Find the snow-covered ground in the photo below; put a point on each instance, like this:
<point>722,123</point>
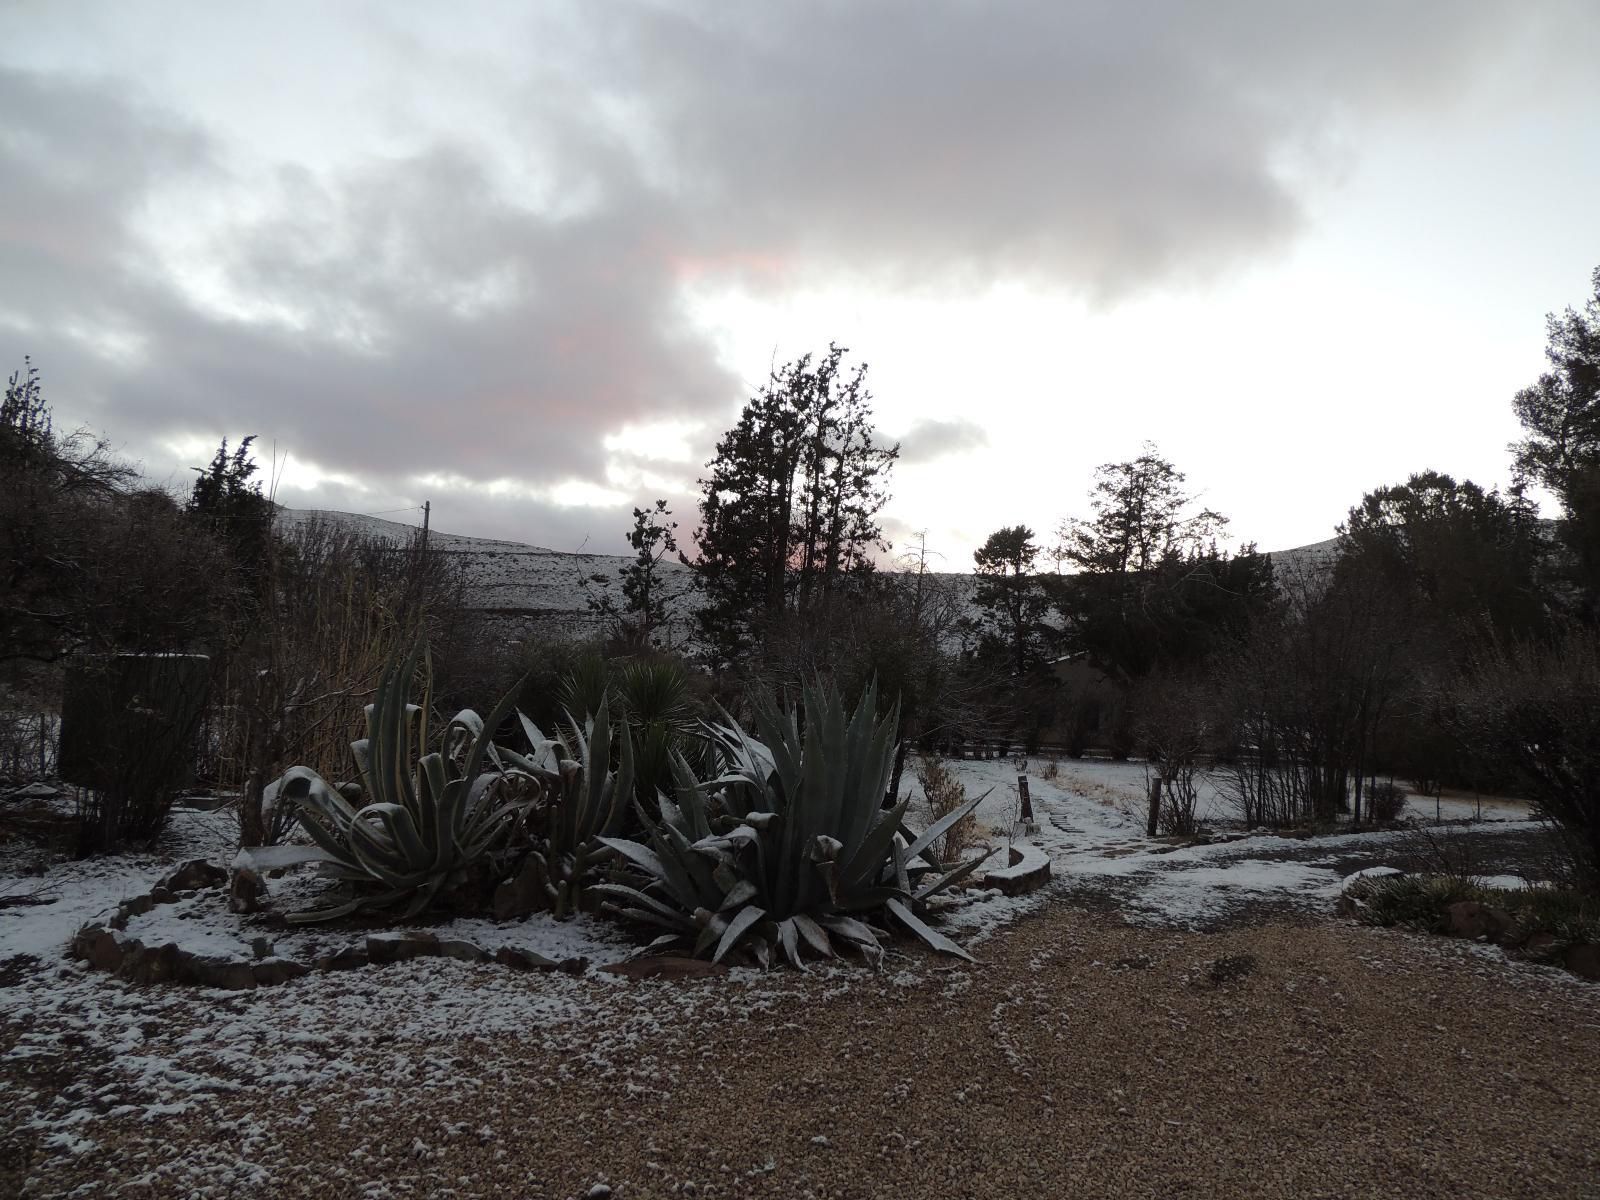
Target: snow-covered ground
<point>130,1053</point>
<point>1090,818</point>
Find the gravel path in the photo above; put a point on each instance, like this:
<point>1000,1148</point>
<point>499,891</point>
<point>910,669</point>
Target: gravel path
<point>1084,1057</point>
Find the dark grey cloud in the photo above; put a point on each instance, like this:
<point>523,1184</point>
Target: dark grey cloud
<point>929,440</point>
<point>424,312</point>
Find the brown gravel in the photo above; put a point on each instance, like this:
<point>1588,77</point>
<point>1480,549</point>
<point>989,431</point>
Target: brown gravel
<point>1083,1058</point>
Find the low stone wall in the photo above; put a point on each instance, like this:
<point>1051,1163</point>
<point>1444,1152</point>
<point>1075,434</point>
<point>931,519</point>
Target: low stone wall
<point>1028,871</point>
<point>107,946</point>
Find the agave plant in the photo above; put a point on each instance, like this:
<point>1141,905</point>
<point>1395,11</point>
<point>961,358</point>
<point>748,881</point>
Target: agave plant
<point>426,822</point>
<point>790,848</point>
<point>584,802</point>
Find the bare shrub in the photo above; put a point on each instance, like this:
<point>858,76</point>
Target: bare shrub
<point>1175,728</point>
<point>1385,802</point>
<point>945,793</point>
<point>1535,706</point>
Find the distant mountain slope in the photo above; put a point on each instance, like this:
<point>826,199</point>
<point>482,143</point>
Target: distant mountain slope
<point>530,587</point>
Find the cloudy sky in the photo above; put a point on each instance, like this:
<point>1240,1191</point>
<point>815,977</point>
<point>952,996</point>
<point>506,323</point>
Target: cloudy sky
<point>527,260</point>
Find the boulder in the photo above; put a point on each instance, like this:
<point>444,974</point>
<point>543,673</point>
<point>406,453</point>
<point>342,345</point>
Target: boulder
<point>666,966</point>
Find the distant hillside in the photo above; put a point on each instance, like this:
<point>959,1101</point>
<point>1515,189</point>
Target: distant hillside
<point>526,588</point>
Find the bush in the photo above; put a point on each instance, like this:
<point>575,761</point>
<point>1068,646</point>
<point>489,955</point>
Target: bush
<point>1422,902</point>
<point>1538,707</point>
<point>1385,802</point>
<point>945,794</point>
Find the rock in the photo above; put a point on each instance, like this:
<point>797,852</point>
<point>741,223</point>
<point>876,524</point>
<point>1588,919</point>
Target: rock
<point>522,895</point>
<point>462,950</point>
<point>398,947</point>
<point>137,906</point>
<point>1583,960</point>
<point>245,890</point>
<point>35,791</point>
<point>193,875</point>
<point>1469,919</point>
<point>527,960</point>
<point>100,946</point>
<point>1539,944</point>
<point>207,971</point>
<point>348,959</point>
<point>143,964</point>
<point>262,947</point>
<point>278,970</point>
<point>666,966</point>
<point>600,1191</point>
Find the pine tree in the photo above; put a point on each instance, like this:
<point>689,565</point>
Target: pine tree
<point>1011,594</point>
<point>789,510</point>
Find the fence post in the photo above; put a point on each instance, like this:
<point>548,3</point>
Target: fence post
<point>1155,807</point>
<point>1029,825</point>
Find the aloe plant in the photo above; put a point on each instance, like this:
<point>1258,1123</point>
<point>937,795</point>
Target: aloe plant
<point>789,850</point>
<point>427,821</point>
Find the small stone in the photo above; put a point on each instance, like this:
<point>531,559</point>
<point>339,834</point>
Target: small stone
<point>349,959</point>
<point>193,875</point>
<point>399,947</point>
<point>102,947</point>
<point>245,891</point>
<point>463,951</point>
<point>527,960</point>
<point>207,971</point>
<point>278,970</point>
<point>600,1191</point>
<point>666,966</point>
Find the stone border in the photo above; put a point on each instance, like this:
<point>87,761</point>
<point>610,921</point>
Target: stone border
<point>106,946</point>
<point>1029,870</point>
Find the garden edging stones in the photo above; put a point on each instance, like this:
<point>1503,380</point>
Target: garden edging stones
<point>1028,871</point>
<point>106,945</point>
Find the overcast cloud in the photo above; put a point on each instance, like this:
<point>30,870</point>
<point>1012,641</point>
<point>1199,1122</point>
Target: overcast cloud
<point>463,286</point>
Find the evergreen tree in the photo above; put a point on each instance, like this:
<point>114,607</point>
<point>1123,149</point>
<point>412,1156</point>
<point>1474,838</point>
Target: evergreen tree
<point>1152,590</point>
<point>1561,415</point>
<point>789,510</point>
<point>227,498</point>
<point>1011,595</point>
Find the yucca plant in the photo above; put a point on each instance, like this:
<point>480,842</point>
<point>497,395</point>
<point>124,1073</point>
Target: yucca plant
<point>426,821</point>
<point>790,848</point>
<point>652,697</point>
<point>584,802</point>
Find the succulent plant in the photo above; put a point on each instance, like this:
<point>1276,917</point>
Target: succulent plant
<point>426,821</point>
<point>584,802</point>
<point>789,849</point>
